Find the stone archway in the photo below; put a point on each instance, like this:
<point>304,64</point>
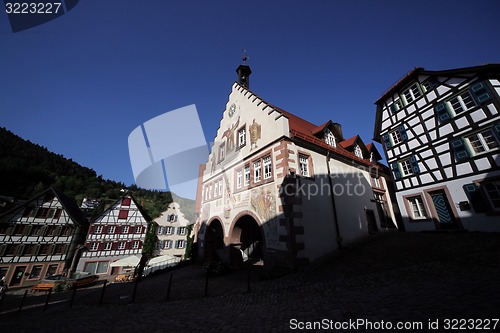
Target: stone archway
<point>214,241</point>
<point>247,241</point>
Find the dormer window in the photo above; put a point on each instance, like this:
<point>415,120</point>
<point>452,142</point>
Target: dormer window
<point>330,138</point>
<point>372,158</point>
<point>358,152</point>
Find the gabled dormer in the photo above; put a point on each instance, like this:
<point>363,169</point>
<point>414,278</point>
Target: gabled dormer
<point>356,146</point>
<point>329,132</point>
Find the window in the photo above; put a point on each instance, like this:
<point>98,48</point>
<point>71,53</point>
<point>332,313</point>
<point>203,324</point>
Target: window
<point>330,138</point>
<point>375,182</point>
<point>111,229</point>
<point>94,246</point>
<point>58,248</point>
<point>492,190</point>
<point>51,270</point>
<point>206,193</point>
<point>461,102</point>
<point>181,231</point>
<point>180,244</point>
<point>168,244</point>
<point>57,213</point>
<point>135,244</point>
<point>358,152</point>
<point>138,229</point>
<point>482,142</point>
<point>169,230</point>
<point>246,175</point>
<point>396,137</point>
<point>417,207</point>
<point>125,229</point>
<point>210,188</point>
<point>396,106</point>
<point>242,137</point>
<point>215,190</point>
<point>412,93</point>
<point>107,246</point>
<point>36,272</point>
<point>172,218</point>
<point>304,165</point>
<point>102,267</point>
<point>160,244</point>
<point>239,178</point>
<point>98,229</point>
<point>123,214</point>
<point>220,187</point>
<point>96,267</point>
<point>222,152</point>
<point>268,168</point>
<point>121,245</point>
<point>256,171</point>
<point>406,167</point>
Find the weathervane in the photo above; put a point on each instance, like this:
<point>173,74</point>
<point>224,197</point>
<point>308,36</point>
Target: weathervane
<point>245,57</point>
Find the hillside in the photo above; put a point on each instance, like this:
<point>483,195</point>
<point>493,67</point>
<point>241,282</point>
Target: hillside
<point>27,169</point>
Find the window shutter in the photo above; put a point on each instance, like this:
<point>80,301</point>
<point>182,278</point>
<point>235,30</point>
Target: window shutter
<point>2,249</point>
<point>387,141</point>
<point>441,110</point>
<point>27,230</point>
<point>395,169</point>
<point>475,197</point>
<point>414,164</point>
<point>402,132</point>
<point>393,107</point>
<point>19,250</point>
<point>496,130</point>
<point>481,93</point>
<point>459,148</point>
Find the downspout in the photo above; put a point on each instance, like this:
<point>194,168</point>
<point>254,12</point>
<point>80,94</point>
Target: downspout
<point>334,208</point>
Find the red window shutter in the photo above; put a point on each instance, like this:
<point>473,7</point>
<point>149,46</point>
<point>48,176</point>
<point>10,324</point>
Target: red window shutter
<point>126,201</point>
<point>123,214</point>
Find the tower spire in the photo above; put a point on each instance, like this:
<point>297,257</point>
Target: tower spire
<point>244,71</point>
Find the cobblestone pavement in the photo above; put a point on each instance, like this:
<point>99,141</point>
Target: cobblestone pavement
<point>412,278</point>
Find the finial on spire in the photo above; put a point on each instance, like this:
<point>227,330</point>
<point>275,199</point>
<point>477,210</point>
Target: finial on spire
<point>245,57</point>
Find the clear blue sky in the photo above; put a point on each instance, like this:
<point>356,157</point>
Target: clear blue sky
<point>81,83</point>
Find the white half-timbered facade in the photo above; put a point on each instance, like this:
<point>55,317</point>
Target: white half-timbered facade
<point>40,237</point>
<point>172,232</point>
<point>441,136</point>
<point>282,190</point>
<point>116,233</point>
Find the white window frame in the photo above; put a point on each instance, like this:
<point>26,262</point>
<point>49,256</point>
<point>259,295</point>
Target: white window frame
<point>94,246</point>
<point>483,143</point>
<point>358,152</point>
<point>111,229</point>
<point>215,190</point>
<point>135,245</point>
<point>222,152</point>
<point>396,137</point>
<point>122,245</point>
<point>181,231</point>
<point>409,94</point>
<point>138,229</point>
<point>242,137</point>
<point>405,167</point>
<point>462,102</point>
<point>239,178</point>
<point>304,165</point>
<point>257,172</point>
<point>417,207</point>
<point>180,244</point>
<point>125,229</point>
<point>268,167</point>
<point>169,231</point>
<point>376,181</point>
<point>246,175</point>
<point>98,229</point>
<point>330,138</point>
<point>220,186</point>
<point>107,246</point>
<point>210,189</point>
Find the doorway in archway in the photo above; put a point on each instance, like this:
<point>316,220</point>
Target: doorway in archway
<point>246,240</point>
<point>214,241</point>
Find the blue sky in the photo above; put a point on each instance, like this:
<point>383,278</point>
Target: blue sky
<point>81,83</point>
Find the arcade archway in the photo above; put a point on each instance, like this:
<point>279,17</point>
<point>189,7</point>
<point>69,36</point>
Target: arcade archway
<point>214,241</point>
<point>246,240</point>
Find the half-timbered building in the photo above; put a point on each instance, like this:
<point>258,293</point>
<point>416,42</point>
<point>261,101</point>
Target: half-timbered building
<point>282,190</point>
<point>441,136</point>
<point>40,238</point>
<point>116,233</point>
<point>172,232</point>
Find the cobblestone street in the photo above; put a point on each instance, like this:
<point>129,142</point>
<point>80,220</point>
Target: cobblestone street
<point>391,277</point>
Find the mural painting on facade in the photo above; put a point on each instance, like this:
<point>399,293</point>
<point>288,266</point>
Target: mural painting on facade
<point>229,135</point>
<point>263,202</point>
<point>228,198</point>
<point>254,130</point>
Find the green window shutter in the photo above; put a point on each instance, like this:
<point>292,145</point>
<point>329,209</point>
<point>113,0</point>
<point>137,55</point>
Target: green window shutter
<point>402,132</point>
<point>387,141</point>
<point>460,149</point>
<point>414,164</point>
<point>395,169</point>
<point>496,130</point>
<point>480,93</point>
<point>441,110</point>
<point>475,197</point>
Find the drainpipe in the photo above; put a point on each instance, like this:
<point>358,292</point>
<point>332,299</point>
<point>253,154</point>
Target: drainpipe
<point>334,208</point>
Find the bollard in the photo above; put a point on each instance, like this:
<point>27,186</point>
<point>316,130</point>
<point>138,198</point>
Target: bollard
<point>135,290</point>
<point>206,285</point>
<point>47,299</point>
<point>73,294</point>
<point>102,292</point>
<point>22,301</point>
<point>169,286</point>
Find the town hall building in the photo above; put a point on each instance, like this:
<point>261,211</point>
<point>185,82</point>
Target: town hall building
<point>281,190</point>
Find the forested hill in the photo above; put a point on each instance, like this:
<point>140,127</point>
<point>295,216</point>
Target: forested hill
<point>26,169</point>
